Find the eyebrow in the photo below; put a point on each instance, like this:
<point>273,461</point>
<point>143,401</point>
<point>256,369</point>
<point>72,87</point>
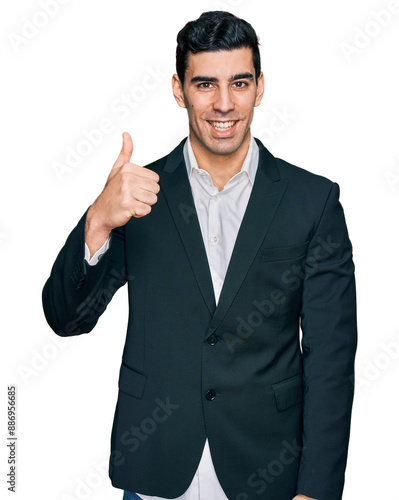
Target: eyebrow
<point>239,76</point>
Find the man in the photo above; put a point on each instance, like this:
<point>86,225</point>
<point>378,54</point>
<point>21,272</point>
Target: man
<point>226,251</point>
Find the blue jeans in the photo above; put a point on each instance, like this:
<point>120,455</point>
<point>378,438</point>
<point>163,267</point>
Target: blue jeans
<point>129,495</point>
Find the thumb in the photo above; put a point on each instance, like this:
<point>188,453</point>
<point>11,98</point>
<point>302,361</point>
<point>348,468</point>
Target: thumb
<point>126,151</point>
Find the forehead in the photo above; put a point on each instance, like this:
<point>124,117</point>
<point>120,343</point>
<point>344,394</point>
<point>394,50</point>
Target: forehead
<point>220,63</point>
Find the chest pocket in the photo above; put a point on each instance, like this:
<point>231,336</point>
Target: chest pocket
<point>283,253</point>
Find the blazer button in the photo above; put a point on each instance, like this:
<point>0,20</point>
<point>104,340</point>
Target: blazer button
<point>79,284</point>
<point>79,281</point>
<point>210,395</point>
<point>212,340</point>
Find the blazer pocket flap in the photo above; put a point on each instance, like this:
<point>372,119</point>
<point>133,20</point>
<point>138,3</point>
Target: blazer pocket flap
<point>284,253</point>
<point>288,392</point>
<point>131,381</point>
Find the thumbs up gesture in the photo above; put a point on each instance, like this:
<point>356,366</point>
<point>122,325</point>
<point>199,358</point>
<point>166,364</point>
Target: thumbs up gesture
<point>130,191</point>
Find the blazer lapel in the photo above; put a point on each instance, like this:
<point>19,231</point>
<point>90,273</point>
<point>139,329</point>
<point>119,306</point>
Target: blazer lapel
<point>265,198</point>
<point>176,188</point>
<point>266,194</point>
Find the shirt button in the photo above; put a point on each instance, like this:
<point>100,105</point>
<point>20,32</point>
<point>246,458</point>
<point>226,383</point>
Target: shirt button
<point>210,395</point>
<point>215,198</point>
<point>215,239</point>
<point>212,340</point>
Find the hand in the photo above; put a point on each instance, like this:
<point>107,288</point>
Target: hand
<point>302,497</point>
<point>130,191</point>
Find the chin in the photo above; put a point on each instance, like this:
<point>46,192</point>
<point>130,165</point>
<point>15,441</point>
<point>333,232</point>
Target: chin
<point>225,146</point>
<point>226,151</point>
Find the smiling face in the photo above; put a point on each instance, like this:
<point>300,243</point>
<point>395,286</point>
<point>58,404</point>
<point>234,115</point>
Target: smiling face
<point>220,93</point>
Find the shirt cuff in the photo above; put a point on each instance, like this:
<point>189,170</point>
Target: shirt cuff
<point>96,257</point>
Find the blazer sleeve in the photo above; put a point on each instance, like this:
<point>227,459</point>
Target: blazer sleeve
<point>76,294</point>
<point>329,341</point>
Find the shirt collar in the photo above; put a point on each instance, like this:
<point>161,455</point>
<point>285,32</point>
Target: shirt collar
<point>250,164</point>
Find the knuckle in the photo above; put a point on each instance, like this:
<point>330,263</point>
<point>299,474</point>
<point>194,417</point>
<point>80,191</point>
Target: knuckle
<point>152,175</point>
<point>146,209</point>
<point>124,204</point>
<point>142,210</point>
<point>125,188</point>
<point>125,176</point>
<point>136,169</point>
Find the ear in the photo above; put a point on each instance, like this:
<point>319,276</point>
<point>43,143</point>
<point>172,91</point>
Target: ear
<point>177,88</point>
<point>260,88</point>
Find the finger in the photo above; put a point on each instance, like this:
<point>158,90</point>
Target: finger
<point>141,209</point>
<point>147,173</point>
<point>126,151</point>
<point>143,196</point>
<point>143,184</point>
<point>143,172</point>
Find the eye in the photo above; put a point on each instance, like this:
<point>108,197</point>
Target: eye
<point>205,85</point>
<point>240,84</point>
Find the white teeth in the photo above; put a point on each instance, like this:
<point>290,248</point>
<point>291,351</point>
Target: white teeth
<point>222,125</point>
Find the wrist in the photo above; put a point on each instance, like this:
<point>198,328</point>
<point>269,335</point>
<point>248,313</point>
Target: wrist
<point>96,231</point>
<point>95,224</point>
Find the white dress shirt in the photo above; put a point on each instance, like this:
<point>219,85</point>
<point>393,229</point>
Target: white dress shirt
<point>220,215</point>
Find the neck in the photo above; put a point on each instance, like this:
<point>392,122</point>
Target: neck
<point>220,167</point>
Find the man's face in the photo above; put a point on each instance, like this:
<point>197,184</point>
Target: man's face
<point>220,94</point>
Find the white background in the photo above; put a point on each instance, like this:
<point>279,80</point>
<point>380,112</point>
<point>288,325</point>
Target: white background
<point>343,111</point>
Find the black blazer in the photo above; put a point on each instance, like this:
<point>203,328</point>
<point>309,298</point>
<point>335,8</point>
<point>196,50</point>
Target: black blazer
<point>276,412</point>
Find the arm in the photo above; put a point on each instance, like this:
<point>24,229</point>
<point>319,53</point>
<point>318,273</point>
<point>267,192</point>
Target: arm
<point>328,322</point>
<point>76,293</point>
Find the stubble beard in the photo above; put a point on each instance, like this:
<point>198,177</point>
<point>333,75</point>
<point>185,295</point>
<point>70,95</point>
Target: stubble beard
<point>223,146</point>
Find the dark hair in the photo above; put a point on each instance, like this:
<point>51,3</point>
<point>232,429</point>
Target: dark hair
<point>215,30</point>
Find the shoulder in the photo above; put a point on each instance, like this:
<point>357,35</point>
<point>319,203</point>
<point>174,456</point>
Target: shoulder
<point>309,192</point>
<point>301,176</point>
<point>298,177</point>
<point>306,188</point>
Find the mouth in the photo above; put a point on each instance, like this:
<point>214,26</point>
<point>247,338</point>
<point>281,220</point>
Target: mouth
<point>222,126</point>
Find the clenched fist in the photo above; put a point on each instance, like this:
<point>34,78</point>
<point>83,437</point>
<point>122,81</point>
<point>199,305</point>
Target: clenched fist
<point>130,191</point>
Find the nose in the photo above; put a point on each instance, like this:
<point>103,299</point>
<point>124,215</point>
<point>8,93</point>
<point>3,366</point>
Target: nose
<point>223,101</point>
